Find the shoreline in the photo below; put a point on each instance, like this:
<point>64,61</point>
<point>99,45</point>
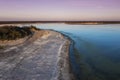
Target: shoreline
<point>66,72</point>
<point>63,63</point>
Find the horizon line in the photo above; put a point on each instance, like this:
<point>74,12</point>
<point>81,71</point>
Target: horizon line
<point>69,22</point>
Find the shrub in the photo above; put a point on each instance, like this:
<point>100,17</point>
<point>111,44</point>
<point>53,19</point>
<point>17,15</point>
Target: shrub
<point>14,32</point>
<point>1,47</point>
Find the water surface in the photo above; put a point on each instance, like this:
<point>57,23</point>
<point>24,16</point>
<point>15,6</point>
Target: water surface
<point>96,50</point>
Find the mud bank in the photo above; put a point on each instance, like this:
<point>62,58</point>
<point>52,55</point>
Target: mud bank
<point>43,56</point>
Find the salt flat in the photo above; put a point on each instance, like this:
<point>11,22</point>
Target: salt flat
<point>41,57</point>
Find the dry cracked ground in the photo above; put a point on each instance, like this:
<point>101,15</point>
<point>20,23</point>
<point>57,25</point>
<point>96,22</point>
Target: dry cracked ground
<point>38,58</point>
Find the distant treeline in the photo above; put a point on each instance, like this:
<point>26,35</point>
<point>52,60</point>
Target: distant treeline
<point>15,32</point>
<point>69,22</point>
<point>92,22</point>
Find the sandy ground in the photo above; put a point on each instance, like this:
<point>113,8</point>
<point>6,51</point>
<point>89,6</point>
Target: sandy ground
<point>41,57</point>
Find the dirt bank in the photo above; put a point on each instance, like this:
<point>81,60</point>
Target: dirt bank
<point>43,56</point>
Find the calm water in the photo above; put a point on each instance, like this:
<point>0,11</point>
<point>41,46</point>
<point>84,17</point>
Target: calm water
<point>96,51</point>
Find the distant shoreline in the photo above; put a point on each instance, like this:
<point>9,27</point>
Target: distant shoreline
<point>66,22</point>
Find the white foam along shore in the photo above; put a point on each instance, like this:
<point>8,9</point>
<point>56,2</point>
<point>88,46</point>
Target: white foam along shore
<point>42,56</point>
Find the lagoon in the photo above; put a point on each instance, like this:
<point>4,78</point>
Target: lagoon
<point>95,53</point>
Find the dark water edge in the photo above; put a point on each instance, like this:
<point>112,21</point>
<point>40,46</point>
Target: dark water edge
<point>73,64</point>
<point>81,69</point>
<point>73,54</point>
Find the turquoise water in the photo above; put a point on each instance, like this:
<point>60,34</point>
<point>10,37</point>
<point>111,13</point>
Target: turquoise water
<point>96,51</point>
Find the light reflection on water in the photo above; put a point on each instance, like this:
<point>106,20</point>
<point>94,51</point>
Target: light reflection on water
<point>96,49</point>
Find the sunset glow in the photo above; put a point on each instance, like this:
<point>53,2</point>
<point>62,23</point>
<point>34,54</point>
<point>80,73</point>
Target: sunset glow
<point>75,10</point>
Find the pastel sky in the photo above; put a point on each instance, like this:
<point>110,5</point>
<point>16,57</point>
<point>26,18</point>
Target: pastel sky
<point>75,10</point>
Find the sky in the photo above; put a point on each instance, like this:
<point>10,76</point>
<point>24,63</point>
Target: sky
<point>60,10</point>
